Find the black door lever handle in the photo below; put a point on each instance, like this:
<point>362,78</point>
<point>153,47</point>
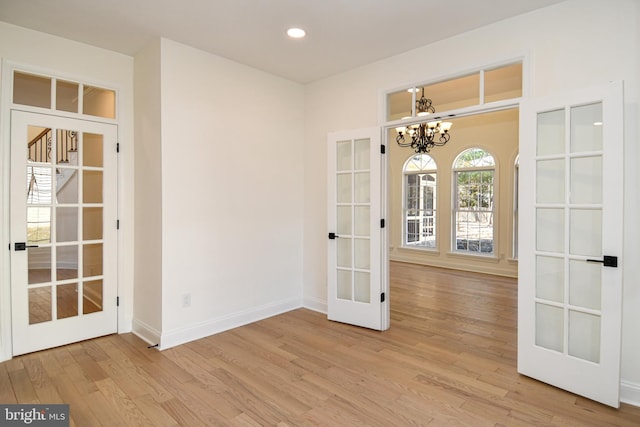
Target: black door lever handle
<point>607,261</point>
<point>21,246</point>
<point>332,236</point>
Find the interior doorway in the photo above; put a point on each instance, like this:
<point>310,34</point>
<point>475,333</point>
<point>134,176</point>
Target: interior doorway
<point>63,230</point>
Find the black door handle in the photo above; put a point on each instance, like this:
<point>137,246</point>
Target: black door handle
<point>607,261</point>
<point>21,246</point>
<point>332,236</point>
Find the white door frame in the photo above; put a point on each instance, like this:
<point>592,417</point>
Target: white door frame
<point>7,69</point>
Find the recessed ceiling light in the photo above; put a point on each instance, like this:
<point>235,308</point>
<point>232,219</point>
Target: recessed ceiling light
<point>296,33</point>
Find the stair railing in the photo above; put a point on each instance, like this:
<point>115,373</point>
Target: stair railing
<point>39,148</point>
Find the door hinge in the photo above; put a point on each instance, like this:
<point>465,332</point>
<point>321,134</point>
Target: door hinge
<point>117,224</point>
<point>117,147</point>
<point>382,297</point>
<point>382,223</point>
<point>117,301</point>
<point>383,149</point>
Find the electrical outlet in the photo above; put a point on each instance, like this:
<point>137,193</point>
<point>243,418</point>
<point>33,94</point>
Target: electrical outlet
<point>186,300</point>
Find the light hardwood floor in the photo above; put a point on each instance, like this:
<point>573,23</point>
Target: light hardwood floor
<point>448,359</point>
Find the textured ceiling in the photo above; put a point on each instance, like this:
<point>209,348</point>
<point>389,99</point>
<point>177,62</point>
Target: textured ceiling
<point>341,34</point>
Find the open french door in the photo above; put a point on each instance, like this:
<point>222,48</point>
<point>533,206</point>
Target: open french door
<point>570,270</point>
<point>63,230</point>
<point>357,274</point>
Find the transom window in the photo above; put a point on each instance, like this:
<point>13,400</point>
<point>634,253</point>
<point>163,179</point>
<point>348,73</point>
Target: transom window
<point>419,209</point>
<point>61,95</point>
<point>473,209</point>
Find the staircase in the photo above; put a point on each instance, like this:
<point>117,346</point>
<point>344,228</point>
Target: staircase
<point>39,151</point>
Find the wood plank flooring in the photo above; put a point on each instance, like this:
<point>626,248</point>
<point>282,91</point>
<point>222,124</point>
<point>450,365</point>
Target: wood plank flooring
<point>448,359</point>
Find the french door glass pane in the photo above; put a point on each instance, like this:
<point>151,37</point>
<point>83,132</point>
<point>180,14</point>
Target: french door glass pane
<point>551,129</point>
<point>92,150</point>
<point>586,180</point>
<point>362,287</point>
<point>586,232</point>
<point>362,184</point>
<point>66,224</point>
<point>362,156</point>
<point>39,261</point>
<point>550,181</point>
<point>67,300</point>
<point>549,327</point>
<point>344,190</point>
<point>66,262</point>
<point>585,280</point>
<point>362,221</point>
<point>344,252</point>
<point>92,223</point>
<point>344,225</point>
<point>38,225</point>
<point>40,305</point>
<point>343,156</point>
<point>586,128</point>
<point>92,186</point>
<point>92,260</point>
<point>584,336</point>
<point>550,230</point>
<point>92,296</point>
<point>550,278</point>
<point>39,182</point>
<point>344,284</point>
<point>361,254</point>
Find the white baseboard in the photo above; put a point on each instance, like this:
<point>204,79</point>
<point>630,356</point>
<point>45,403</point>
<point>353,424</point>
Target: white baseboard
<point>315,305</point>
<point>146,332</point>
<point>214,326</point>
<point>630,393</point>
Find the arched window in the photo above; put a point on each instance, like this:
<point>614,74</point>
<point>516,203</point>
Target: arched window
<point>419,210</point>
<point>473,209</point>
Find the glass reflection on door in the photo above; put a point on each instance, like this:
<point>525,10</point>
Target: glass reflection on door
<point>64,223</point>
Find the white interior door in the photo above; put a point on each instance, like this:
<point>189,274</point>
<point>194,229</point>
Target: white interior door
<point>357,284</point>
<point>570,270</point>
<point>63,230</point>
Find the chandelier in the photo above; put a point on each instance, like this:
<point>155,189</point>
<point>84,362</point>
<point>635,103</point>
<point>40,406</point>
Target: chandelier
<point>424,136</point>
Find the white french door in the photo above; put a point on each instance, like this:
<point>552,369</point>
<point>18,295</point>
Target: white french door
<point>357,277</point>
<point>570,270</point>
<point>63,230</point>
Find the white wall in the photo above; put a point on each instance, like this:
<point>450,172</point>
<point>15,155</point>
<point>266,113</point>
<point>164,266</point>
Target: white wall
<point>232,194</point>
<point>571,45</point>
<point>84,63</point>
<point>147,322</point>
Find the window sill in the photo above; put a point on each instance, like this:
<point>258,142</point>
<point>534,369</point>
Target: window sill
<point>488,258</point>
<point>411,249</point>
